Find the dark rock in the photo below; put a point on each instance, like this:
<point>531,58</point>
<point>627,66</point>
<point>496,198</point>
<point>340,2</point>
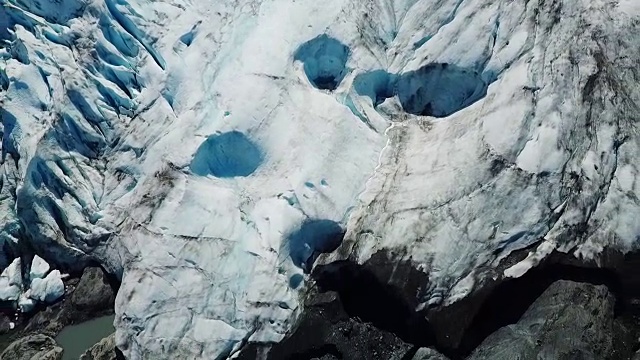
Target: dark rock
<point>325,331</point>
<point>5,324</point>
<point>383,292</point>
<point>386,306</point>
<point>48,320</point>
<point>569,320</point>
<point>428,354</point>
<point>463,325</point>
<point>32,347</point>
<point>93,291</point>
<point>104,350</point>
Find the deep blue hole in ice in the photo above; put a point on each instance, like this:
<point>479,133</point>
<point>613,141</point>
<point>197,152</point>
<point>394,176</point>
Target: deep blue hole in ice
<point>295,281</point>
<point>324,60</point>
<point>378,85</point>
<point>313,238</point>
<point>437,90</point>
<point>227,155</point>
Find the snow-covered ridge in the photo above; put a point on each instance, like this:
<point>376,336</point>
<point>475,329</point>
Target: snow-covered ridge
<point>197,149</point>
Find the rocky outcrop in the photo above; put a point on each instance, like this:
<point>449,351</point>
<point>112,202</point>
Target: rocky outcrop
<point>568,321</point>
<point>6,325</point>
<point>326,331</point>
<point>104,350</point>
<point>32,347</point>
<point>93,292</point>
<point>428,354</point>
<point>555,311</point>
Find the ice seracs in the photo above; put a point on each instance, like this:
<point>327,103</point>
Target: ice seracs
<point>39,268</point>
<point>48,289</point>
<point>39,288</point>
<point>11,281</point>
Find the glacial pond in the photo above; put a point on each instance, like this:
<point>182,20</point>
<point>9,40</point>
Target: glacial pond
<point>76,339</point>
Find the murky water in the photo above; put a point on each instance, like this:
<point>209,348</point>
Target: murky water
<point>76,339</point>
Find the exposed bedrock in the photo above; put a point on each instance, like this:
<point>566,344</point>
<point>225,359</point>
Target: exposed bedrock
<point>104,350</point>
<point>562,309</point>
<point>33,347</point>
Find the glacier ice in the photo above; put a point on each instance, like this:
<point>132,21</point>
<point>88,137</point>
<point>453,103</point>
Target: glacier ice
<point>313,237</point>
<point>224,155</point>
<point>114,114</point>
<point>37,287</point>
<point>11,281</point>
<point>48,289</point>
<point>26,304</point>
<point>39,268</point>
<point>324,60</point>
<point>12,274</point>
<point>436,90</point>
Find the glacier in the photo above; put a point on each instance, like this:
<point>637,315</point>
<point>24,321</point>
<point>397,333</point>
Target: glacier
<point>211,154</point>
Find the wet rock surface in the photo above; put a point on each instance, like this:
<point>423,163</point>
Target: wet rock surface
<point>33,347</point>
<point>104,350</point>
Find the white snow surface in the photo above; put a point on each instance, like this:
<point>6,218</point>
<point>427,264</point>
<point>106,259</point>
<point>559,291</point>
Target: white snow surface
<point>105,103</point>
